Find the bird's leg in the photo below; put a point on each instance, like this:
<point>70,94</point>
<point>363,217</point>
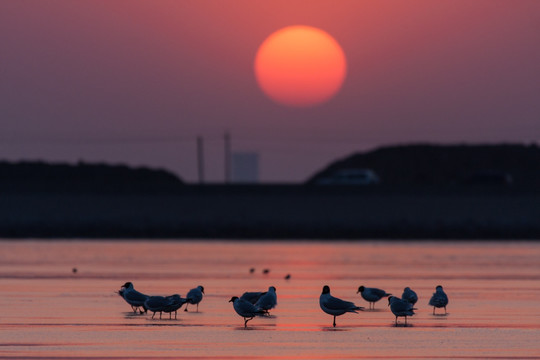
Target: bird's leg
<point>160,314</point>
<point>396,320</point>
<point>170,315</point>
<point>434,310</point>
<point>175,312</point>
<point>186,307</point>
<point>134,308</point>
<point>405,320</point>
<point>334,321</point>
<point>153,314</point>
<point>197,307</point>
<point>445,310</point>
<point>246,321</point>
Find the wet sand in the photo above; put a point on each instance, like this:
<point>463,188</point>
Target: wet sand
<point>51,312</point>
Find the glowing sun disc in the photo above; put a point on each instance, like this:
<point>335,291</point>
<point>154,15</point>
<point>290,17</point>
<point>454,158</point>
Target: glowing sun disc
<point>300,66</point>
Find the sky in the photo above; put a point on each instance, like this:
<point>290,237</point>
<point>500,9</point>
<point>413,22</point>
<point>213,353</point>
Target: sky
<point>135,82</point>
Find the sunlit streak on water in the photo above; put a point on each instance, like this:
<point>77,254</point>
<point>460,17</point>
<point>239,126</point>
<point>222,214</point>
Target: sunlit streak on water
<point>51,312</point>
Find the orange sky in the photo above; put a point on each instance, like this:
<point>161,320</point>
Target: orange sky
<point>136,82</point>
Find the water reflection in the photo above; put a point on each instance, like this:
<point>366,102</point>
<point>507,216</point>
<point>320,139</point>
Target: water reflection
<point>55,313</point>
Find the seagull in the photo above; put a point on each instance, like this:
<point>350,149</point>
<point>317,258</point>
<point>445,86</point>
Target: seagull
<point>167,304</point>
<point>175,303</point>
<point>439,299</point>
<point>334,306</point>
<point>252,296</point>
<point>246,309</point>
<point>372,295</point>
<point>409,295</point>
<point>194,296</point>
<point>400,307</point>
<point>156,304</point>
<point>268,300</point>
<point>133,297</point>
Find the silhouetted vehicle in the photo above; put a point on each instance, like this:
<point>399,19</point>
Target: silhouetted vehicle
<point>490,177</point>
<point>350,177</point>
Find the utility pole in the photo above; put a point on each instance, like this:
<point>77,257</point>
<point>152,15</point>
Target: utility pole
<point>227,139</point>
<point>200,159</point>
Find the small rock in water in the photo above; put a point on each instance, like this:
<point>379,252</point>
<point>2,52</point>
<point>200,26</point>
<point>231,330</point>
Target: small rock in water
<point>266,271</point>
<point>252,270</point>
<point>287,277</point>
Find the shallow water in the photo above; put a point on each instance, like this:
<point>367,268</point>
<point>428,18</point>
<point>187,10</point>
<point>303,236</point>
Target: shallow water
<point>51,312</point>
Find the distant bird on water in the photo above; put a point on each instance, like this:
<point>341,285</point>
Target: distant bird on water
<point>246,309</point>
<point>372,295</point>
<point>439,299</point>
<point>400,307</point>
<point>266,271</point>
<point>334,306</point>
<point>133,297</point>
<point>194,297</point>
<point>288,277</point>
<point>409,295</point>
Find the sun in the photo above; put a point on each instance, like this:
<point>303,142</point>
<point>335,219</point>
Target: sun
<point>300,66</point>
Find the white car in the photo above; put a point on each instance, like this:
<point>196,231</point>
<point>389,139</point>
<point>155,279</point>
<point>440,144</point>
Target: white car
<point>350,177</point>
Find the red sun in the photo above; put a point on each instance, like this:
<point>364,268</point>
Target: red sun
<point>300,66</point>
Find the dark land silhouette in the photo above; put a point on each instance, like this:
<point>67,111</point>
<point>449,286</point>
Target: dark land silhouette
<point>425,192</point>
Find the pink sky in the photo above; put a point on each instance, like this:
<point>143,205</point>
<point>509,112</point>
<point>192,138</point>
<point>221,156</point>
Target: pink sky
<point>136,81</point>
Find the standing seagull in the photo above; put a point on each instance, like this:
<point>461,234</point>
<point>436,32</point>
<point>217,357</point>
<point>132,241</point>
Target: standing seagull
<point>409,295</point>
<point>252,296</point>
<point>334,306</point>
<point>167,304</point>
<point>133,297</point>
<point>156,304</point>
<point>268,300</point>
<point>400,307</point>
<point>372,295</point>
<point>439,299</point>
<point>246,309</point>
<point>194,296</point>
<point>175,303</point>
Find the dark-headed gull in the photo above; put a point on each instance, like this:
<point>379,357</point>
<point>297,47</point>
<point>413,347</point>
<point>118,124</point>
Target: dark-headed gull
<point>409,295</point>
<point>372,295</point>
<point>194,296</point>
<point>439,299</point>
<point>246,309</point>
<point>133,297</point>
<point>334,306</point>
<point>400,307</point>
